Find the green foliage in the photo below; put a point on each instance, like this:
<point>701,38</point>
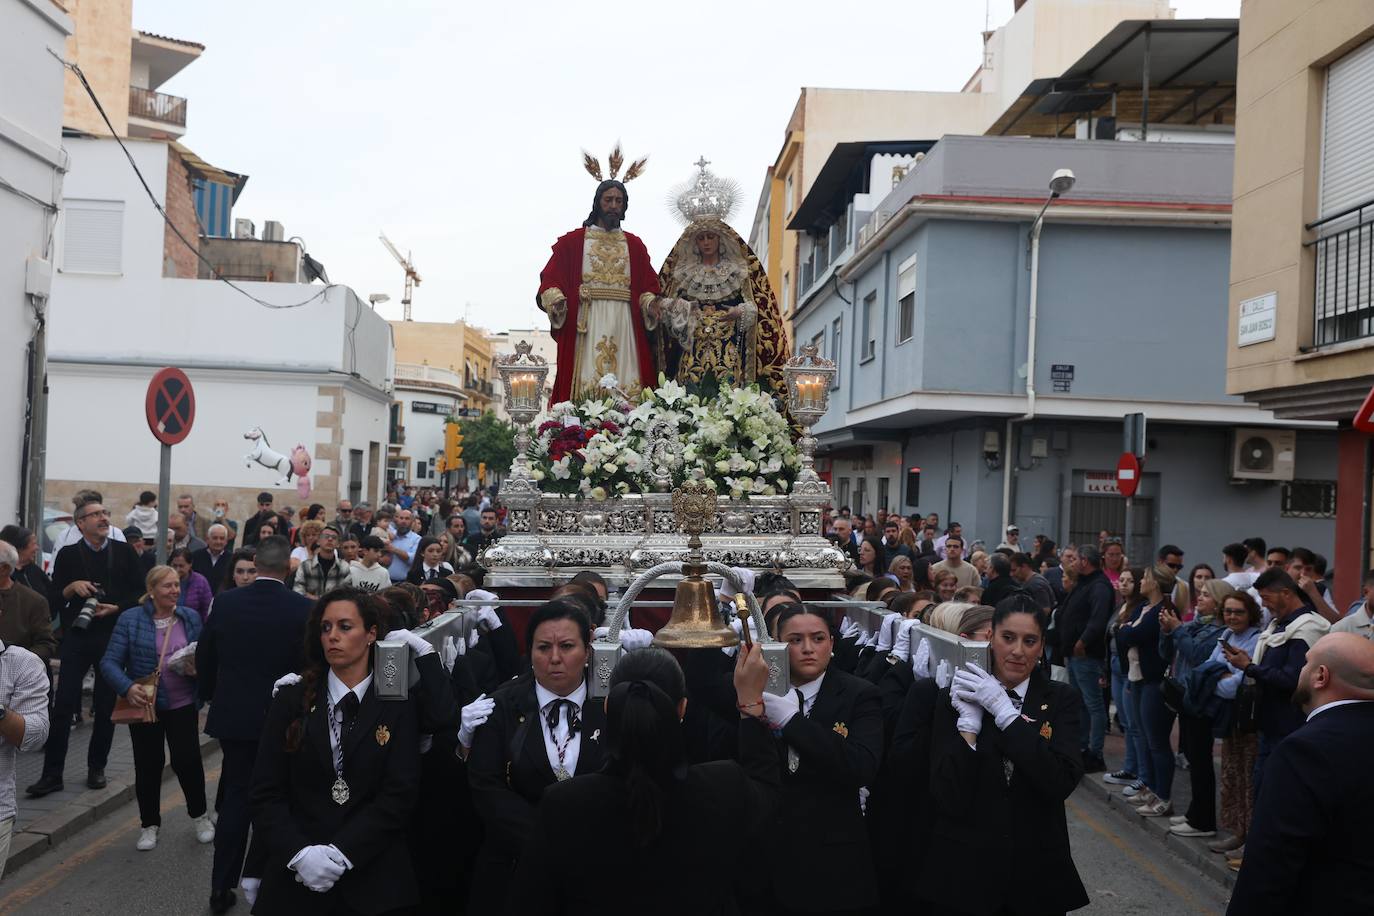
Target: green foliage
<point>490,440</point>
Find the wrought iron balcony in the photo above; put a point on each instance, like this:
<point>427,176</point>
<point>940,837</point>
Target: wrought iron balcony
<point>1343,301</point>
<point>157,106</point>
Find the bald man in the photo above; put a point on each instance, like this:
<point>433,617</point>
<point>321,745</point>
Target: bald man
<point>1308,849</point>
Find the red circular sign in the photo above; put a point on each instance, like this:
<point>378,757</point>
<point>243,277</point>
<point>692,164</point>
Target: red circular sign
<point>1127,474</point>
<point>170,406</point>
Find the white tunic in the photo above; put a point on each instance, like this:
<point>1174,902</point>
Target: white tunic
<point>605,329</point>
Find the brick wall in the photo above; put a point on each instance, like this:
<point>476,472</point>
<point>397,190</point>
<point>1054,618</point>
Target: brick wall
<point>177,259</point>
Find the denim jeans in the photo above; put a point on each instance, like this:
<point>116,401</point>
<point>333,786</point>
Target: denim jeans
<point>1157,721</point>
<point>1123,712</point>
<point>1085,674</point>
<point>1135,734</point>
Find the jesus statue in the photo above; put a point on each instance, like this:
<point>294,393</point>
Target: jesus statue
<point>600,292</point>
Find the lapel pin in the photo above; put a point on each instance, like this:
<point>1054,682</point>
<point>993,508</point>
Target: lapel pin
<point>1046,731</point>
<point>1044,706</point>
<point>383,735</point>
<point>841,729</point>
<point>596,735</point>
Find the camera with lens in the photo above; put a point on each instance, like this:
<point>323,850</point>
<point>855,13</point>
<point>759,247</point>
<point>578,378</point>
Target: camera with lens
<point>88,608</point>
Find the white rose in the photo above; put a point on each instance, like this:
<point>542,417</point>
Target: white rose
<point>610,467</point>
<point>598,493</point>
<point>736,494</point>
<point>537,474</point>
<point>769,491</point>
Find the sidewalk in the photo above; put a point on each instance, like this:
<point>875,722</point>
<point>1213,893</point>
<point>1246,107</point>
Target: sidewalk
<point>1192,850</point>
<point>43,823</point>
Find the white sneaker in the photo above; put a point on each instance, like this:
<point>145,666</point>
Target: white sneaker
<point>147,839</point>
<point>1179,819</point>
<point>1133,789</point>
<point>205,829</point>
<point>1187,829</point>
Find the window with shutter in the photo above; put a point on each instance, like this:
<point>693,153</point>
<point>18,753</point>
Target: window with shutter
<point>1347,132</point>
<point>93,237</point>
<point>1344,251</point>
<point>906,299</point>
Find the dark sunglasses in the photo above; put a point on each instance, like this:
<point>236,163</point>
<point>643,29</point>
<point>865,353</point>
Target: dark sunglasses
<point>1174,565</point>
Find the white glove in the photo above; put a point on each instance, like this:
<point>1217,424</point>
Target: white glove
<point>975,685</point>
<point>318,867</point>
<point>921,663</point>
<point>887,632</point>
<point>631,639</point>
<point>901,646</point>
<point>849,629</point>
<point>942,674</point>
<point>474,637</point>
<point>746,577</point>
<point>417,645</point>
<point>488,618</point>
<point>250,886</point>
<point>449,652</point>
<point>286,680</point>
<point>863,799</point>
<point>779,710</point>
<point>970,713</point>
<point>474,714</point>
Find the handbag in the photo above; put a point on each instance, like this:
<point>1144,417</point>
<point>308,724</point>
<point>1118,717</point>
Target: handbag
<point>126,713</point>
<point>1246,712</point>
<point>1173,693</point>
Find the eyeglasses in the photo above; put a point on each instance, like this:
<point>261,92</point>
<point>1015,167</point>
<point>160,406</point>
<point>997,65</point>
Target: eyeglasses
<point>1174,565</point>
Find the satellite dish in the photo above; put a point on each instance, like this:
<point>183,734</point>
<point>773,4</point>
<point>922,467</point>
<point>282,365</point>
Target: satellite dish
<point>1257,454</point>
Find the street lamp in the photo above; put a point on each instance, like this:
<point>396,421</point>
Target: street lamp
<point>377,299</point>
<point>1060,183</point>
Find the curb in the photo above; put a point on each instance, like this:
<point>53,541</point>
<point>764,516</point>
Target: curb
<point>87,808</point>
<point>1193,851</point>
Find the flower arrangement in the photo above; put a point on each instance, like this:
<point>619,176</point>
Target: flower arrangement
<point>614,443</point>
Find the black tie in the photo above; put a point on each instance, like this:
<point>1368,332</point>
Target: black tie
<point>573,721</point>
<point>349,705</point>
<point>1015,697</point>
<point>801,704</point>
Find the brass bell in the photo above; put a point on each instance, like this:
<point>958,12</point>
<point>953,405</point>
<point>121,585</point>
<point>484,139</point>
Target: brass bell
<point>695,624</point>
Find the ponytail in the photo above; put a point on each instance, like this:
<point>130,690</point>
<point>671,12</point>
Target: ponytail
<point>644,737</point>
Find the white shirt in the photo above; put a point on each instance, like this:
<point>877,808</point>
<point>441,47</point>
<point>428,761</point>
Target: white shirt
<point>809,691</point>
<point>71,534</point>
<point>336,693</point>
<point>554,740</point>
<point>1359,623</point>
<point>1332,705</point>
<point>1241,580</point>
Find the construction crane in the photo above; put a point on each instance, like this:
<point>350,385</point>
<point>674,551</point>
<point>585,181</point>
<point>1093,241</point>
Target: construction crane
<point>412,278</point>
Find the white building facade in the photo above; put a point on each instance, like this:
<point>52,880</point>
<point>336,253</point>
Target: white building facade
<point>31,165</point>
<point>308,365</point>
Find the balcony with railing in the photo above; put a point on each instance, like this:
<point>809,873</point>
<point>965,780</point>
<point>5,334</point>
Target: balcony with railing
<point>430,378</point>
<point>166,111</point>
<point>1343,279</point>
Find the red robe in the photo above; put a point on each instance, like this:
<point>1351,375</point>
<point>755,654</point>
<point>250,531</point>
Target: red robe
<point>564,271</point>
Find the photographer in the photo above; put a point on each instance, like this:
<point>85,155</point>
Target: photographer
<point>96,577</point>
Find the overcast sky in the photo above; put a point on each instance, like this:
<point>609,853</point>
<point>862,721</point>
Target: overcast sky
<point>456,127</point>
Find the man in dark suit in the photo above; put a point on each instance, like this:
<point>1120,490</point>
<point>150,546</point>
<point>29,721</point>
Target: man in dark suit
<point>255,635</point>
<point>254,523</point>
<point>212,560</point>
<point>1308,850</point>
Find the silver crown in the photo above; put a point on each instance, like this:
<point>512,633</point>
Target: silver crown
<point>708,197</point>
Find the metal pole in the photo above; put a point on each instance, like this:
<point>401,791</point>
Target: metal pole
<point>1126,539</point>
<point>164,499</point>
<point>1145,90</point>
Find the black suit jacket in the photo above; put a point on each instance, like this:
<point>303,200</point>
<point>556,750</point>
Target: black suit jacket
<point>839,746</point>
<point>214,571</point>
<point>711,798</point>
<point>293,808</point>
<point>1308,849</point>
<point>994,847</point>
<point>254,636</point>
<point>509,770</point>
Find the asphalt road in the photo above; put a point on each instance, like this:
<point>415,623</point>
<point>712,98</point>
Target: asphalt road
<point>98,871</point>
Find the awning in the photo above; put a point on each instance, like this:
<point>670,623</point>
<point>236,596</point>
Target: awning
<point>1143,72</point>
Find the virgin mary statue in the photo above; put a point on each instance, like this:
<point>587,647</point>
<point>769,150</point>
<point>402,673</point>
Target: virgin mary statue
<point>721,326</point>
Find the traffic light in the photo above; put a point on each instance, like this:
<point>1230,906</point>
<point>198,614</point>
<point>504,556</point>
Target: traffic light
<point>481,472</point>
<point>441,464</point>
<point>453,445</point>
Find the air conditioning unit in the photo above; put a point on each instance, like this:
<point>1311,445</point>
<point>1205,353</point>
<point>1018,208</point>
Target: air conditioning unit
<point>1263,454</point>
<point>272,231</point>
<point>244,228</point>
